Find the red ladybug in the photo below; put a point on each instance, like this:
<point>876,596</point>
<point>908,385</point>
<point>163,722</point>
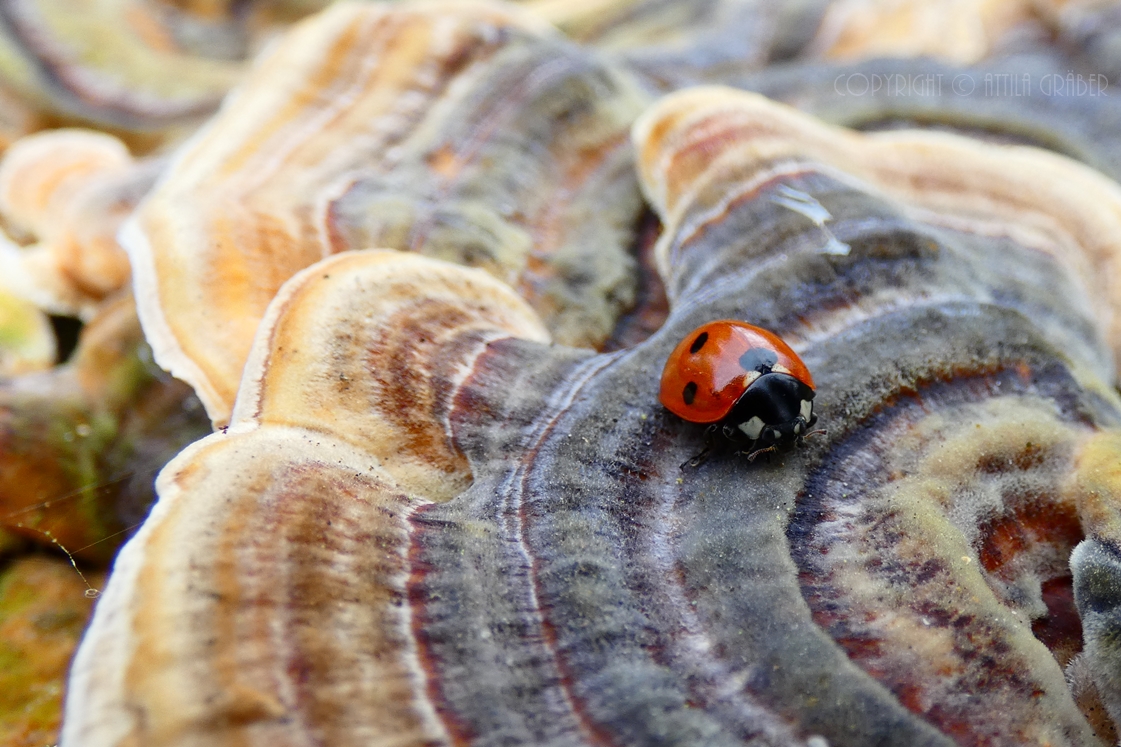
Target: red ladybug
<point>744,382</point>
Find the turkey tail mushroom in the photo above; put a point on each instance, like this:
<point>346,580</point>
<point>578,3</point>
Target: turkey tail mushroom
<point>427,524</point>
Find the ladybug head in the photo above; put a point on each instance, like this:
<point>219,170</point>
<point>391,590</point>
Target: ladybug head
<point>775,409</point>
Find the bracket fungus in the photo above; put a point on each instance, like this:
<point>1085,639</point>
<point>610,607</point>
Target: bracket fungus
<point>1047,203</point>
<point>961,30</point>
<point>339,434</point>
<point>429,127</point>
<point>426,524</point>
<point>670,45</point>
<point>109,62</point>
<point>66,192</point>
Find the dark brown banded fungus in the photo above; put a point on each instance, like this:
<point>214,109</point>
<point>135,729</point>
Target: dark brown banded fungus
<point>112,64</point>
<point>470,132</point>
<point>293,524</point>
<point>671,45</point>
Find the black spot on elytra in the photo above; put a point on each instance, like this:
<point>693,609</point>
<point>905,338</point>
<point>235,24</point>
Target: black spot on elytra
<point>699,343</point>
<point>759,359</point>
<point>689,392</point>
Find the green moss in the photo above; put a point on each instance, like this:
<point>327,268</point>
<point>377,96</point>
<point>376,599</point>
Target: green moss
<point>23,328</point>
<point>43,610</point>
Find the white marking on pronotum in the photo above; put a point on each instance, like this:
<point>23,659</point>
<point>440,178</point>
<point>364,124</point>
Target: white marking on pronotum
<point>803,204</point>
<point>752,428</point>
<point>806,410</point>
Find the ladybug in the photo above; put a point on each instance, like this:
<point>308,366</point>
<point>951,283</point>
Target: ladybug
<point>744,382</point>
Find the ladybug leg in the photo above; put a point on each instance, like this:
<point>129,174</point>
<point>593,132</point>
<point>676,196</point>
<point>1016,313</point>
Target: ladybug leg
<point>751,457</point>
<point>698,460</point>
<point>701,458</point>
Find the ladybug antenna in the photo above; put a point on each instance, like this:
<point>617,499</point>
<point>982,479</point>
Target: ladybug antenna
<point>818,432</point>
